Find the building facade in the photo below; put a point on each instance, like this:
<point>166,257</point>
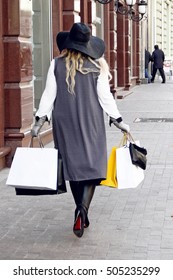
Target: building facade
<point>160,23</point>
<point>28,32</point>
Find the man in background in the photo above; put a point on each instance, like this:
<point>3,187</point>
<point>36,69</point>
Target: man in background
<point>158,58</point>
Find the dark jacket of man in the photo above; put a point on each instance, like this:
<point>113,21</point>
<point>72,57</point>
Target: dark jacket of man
<point>158,57</point>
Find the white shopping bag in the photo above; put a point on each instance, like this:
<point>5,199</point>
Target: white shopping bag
<point>128,174</point>
<point>34,168</point>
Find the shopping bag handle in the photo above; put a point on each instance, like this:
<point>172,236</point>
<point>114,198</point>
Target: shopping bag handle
<point>39,140</point>
<point>130,138</point>
<point>127,137</point>
<point>124,139</point>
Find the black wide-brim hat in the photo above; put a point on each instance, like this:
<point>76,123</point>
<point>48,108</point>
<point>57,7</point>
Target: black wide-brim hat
<point>80,39</point>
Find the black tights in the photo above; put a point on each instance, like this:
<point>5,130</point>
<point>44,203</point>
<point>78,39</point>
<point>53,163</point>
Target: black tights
<point>82,193</point>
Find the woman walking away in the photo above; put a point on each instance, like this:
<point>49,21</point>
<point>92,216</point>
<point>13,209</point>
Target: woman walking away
<point>76,93</point>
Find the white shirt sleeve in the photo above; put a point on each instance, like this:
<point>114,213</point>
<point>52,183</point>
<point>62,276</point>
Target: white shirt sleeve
<point>106,98</point>
<point>49,94</point>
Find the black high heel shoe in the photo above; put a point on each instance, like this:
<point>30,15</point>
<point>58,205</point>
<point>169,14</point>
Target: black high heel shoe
<point>87,223</point>
<point>79,222</point>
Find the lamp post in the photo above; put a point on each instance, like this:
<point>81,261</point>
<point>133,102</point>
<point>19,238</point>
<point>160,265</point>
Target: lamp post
<point>128,8</point>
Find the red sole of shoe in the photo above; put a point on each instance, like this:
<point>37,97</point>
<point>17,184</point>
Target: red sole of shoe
<point>77,225</point>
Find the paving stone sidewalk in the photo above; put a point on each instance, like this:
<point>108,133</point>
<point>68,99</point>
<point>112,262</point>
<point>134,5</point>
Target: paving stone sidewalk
<point>125,224</point>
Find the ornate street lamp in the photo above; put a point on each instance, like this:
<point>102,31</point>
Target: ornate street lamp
<point>128,8</point>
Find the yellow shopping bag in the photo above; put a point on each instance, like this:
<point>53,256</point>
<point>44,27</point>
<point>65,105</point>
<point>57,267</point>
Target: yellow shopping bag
<point>111,180</point>
<point>111,176</point>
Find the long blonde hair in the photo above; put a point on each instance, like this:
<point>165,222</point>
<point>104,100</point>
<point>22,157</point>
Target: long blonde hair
<point>75,62</point>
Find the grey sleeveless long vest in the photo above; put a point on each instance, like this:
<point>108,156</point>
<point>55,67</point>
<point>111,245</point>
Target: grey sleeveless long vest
<point>78,126</point>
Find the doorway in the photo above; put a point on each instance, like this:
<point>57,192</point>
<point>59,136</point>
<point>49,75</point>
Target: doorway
<point>42,45</point>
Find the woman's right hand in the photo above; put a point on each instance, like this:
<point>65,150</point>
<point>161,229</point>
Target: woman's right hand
<point>121,125</point>
<point>124,127</point>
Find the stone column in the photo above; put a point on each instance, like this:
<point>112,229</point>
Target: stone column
<point>64,14</point>
<point>113,45</point>
<point>120,50</point>
<point>141,49</point>
<point>107,32</point>
<point>133,54</point>
<point>1,81</point>
<point>3,150</point>
<point>84,11</point>
<point>89,15</point>
<point>138,63</point>
<point>18,89</point>
<point>57,22</point>
<point>70,15</point>
<point>127,54</point>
